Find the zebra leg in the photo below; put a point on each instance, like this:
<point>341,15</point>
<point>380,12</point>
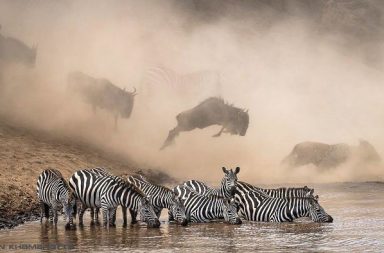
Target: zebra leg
<point>133,216</point>
<point>158,213</point>
<point>170,216</point>
<point>92,216</point>
<point>97,215</point>
<point>171,137</point>
<point>55,215</point>
<point>219,133</point>
<point>113,217</point>
<point>51,214</point>
<point>42,211</point>
<point>124,211</point>
<point>81,214</point>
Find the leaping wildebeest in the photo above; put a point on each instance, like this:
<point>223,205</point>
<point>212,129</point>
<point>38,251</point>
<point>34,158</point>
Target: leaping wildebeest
<point>14,51</point>
<point>101,93</point>
<point>212,111</point>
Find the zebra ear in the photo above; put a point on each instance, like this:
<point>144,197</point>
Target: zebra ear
<point>237,170</point>
<point>317,197</point>
<point>225,170</point>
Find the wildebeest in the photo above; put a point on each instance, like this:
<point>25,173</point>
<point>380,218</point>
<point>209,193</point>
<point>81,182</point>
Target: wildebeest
<point>14,51</point>
<point>327,156</point>
<point>101,93</point>
<point>212,111</point>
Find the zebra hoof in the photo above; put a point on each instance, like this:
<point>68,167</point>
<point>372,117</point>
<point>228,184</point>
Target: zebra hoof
<point>70,227</point>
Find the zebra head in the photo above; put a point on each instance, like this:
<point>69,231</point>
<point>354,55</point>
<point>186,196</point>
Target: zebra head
<point>68,200</point>
<point>229,182</point>
<point>147,213</point>
<point>316,212</point>
<point>230,212</point>
<point>178,211</point>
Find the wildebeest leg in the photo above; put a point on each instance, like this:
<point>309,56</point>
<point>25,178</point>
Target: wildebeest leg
<point>219,133</point>
<point>171,137</point>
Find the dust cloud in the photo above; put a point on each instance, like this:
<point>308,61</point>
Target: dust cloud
<point>304,71</point>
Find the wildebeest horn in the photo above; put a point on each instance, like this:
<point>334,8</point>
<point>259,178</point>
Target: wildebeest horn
<point>134,90</point>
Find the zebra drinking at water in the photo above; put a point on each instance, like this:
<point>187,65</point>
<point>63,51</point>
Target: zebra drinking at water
<point>108,192</point>
<point>52,192</point>
<point>201,208</point>
<point>227,186</point>
<point>161,197</point>
<point>282,192</point>
<point>256,206</point>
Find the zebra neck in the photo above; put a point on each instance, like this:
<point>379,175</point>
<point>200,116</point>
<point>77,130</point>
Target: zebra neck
<point>299,207</point>
<point>216,209</point>
<point>222,192</point>
<point>129,198</point>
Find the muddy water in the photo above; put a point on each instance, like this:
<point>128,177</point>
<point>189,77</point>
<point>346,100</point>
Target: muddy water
<point>357,209</point>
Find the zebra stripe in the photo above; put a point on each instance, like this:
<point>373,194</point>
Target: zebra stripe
<point>197,84</point>
<point>256,206</point>
<point>108,192</point>
<point>201,208</point>
<point>282,192</point>
<point>227,186</point>
<point>53,191</point>
<point>161,197</point>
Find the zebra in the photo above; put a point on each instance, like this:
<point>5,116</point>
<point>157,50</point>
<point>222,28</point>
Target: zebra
<point>256,206</point>
<point>162,197</point>
<point>227,188</point>
<point>198,84</point>
<point>53,191</point>
<point>102,172</point>
<point>108,192</point>
<point>282,192</point>
<point>201,208</point>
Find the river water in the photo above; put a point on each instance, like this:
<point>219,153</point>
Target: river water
<point>357,209</point>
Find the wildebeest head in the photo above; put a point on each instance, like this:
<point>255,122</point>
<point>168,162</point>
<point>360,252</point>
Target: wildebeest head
<point>240,123</point>
<point>126,103</point>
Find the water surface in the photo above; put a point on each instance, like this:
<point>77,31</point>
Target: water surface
<point>357,209</point>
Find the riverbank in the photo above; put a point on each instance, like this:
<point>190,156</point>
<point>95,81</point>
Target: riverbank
<point>25,153</point>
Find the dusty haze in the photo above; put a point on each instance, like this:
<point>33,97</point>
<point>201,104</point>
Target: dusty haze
<point>304,73</point>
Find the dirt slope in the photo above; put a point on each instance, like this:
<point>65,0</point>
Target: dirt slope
<point>24,154</point>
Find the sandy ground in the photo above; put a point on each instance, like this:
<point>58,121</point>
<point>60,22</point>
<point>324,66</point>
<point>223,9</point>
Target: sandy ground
<point>24,154</point>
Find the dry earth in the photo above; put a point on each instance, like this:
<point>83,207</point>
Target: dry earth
<point>25,153</point>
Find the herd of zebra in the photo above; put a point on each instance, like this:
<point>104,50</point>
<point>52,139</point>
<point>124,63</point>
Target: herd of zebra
<point>192,201</point>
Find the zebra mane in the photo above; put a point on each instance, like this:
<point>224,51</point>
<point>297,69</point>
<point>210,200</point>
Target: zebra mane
<point>146,181</point>
<point>124,183</point>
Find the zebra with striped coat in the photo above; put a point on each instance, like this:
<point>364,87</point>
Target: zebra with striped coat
<point>53,191</point>
<point>256,206</point>
<point>161,197</point>
<point>282,192</point>
<point>108,192</point>
<point>227,187</point>
<point>201,208</point>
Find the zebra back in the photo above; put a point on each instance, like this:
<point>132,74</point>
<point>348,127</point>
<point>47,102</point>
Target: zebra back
<point>256,206</point>
<point>200,208</point>
<point>282,192</point>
